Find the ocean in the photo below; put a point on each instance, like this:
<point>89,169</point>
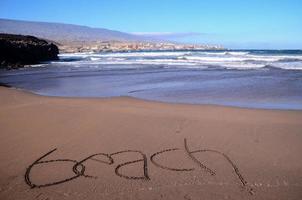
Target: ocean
<point>269,79</point>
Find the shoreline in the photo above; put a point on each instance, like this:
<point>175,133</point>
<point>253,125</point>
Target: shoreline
<point>172,77</point>
<point>150,101</point>
<point>130,148</point>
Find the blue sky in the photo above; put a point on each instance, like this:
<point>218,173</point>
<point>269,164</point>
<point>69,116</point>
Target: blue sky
<point>232,23</point>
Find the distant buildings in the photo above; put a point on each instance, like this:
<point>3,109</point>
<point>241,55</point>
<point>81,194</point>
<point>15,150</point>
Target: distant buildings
<point>118,46</point>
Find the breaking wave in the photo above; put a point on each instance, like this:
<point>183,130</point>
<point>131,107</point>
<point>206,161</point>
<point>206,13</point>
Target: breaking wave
<point>254,59</point>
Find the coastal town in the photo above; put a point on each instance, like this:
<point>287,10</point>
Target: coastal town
<point>120,46</point>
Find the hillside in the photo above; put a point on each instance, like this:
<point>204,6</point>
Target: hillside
<point>65,33</point>
<point>75,38</point>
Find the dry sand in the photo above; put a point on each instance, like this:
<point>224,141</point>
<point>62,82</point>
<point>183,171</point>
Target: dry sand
<point>124,148</point>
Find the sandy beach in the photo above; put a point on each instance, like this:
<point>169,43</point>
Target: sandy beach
<point>125,148</point>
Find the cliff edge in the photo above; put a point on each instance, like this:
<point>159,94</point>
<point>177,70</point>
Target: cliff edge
<point>19,50</point>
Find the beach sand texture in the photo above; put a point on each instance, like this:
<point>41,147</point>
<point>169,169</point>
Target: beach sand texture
<point>125,148</point>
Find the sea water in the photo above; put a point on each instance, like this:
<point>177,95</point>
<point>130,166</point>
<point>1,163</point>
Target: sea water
<point>270,79</point>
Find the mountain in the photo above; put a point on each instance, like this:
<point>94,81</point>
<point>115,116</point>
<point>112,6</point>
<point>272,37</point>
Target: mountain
<point>75,38</point>
<point>65,33</point>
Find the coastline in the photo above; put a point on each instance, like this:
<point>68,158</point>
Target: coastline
<point>263,145</point>
<point>251,79</point>
<point>137,99</point>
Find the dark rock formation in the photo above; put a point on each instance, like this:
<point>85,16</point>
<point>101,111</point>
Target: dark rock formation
<point>19,50</point>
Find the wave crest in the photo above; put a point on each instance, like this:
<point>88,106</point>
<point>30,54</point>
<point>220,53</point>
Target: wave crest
<point>188,59</point>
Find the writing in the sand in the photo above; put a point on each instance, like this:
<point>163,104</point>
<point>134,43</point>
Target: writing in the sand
<point>79,167</point>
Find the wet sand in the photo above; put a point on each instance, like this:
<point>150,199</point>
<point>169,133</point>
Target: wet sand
<point>124,148</point>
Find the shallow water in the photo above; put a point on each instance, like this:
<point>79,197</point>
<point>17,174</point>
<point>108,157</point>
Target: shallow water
<point>254,79</point>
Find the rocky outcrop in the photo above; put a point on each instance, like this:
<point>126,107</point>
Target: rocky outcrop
<point>19,50</point>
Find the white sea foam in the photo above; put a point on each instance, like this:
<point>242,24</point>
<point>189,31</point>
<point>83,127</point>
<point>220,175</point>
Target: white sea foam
<point>127,54</point>
<point>289,66</point>
<point>187,59</point>
<point>94,58</point>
